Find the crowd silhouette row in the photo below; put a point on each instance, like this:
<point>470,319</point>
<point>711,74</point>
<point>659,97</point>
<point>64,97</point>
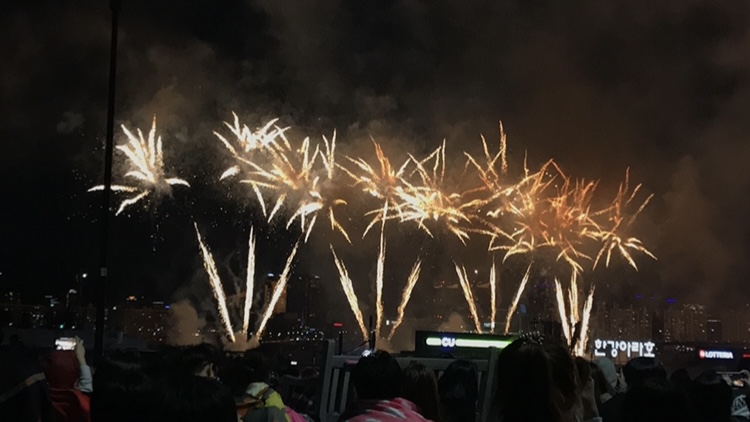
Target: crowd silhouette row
<point>535,382</point>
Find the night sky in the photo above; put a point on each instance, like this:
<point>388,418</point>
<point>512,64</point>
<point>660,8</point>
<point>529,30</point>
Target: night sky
<point>661,87</point>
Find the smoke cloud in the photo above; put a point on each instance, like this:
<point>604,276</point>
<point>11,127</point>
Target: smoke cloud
<point>661,88</point>
<point>184,324</point>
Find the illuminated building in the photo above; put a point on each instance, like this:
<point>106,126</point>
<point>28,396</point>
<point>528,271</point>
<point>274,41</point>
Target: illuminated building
<point>684,323</point>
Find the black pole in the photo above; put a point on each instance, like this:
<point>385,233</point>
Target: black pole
<point>371,340</point>
<point>101,305</point>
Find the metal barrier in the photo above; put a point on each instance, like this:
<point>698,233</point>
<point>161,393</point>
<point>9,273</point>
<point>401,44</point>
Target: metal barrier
<point>335,392</point>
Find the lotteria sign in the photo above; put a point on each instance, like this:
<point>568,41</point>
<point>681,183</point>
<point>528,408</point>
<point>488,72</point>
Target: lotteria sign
<point>715,354</point>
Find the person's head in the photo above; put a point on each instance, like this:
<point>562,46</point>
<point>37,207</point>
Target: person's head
<point>525,386</point>
<point>564,375</point>
<point>122,390</point>
<point>711,398</point>
<point>681,379</point>
<point>420,387</point>
<point>458,390</point>
<point>377,377</point>
<point>257,365</point>
<point>655,400</point>
<point>191,398</point>
<point>61,369</point>
<point>640,369</point>
<point>198,360</point>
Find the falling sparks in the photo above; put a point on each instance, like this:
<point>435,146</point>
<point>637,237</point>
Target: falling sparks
<point>351,297</point>
<point>516,299</point>
<point>277,290</point>
<point>380,269</point>
<point>146,161</point>
<point>564,320</point>
<point>406,295</point>
<point>249,282</point>
<point>580,347</point>
<point>216,286</point>
<point>611,239</point>
<point>463,279</point>
<point>493,295</point>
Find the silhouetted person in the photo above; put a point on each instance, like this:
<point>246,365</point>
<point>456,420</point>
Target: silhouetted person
<point>200,359</point>
<point>459,391</point>
<point>681,379</point>
<point>654,399</point>
<point>192,398</point>
<point>711,398</point>
<point>636,372</point>
<point>122,391</point>
<point>377,382</point>
<point>24,395</point>
<point>420,387</point>
<point>525,387</point>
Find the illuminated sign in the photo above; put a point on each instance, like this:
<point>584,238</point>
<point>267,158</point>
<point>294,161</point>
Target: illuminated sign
<point>472,343</point>
<point>633,349</point>
<point>715,354</point>
<point>459,345</point>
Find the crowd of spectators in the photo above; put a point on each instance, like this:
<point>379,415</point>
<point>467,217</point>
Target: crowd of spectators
<point>535,382</point>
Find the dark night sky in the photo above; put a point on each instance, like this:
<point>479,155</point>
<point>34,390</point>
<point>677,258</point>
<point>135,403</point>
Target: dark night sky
<point>660,86</point>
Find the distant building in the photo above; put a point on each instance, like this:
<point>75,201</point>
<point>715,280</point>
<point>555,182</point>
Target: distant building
<point>628,322</point>
<point>684,323</point>
<point>145,322</point>
<point>713,330</point>
<point>735,325</point>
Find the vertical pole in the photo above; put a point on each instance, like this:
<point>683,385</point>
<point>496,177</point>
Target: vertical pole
<point>371,340</point>
<point>101,290</point>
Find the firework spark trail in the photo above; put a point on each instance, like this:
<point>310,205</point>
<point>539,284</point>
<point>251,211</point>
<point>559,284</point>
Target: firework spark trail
<point>611,239</point>
<point>564,320</point>
<point>379,280</point>
<point>584,336</point>
<point>517,298</point>
<point>216,287</point>
<point>573,297</point>
<point>351,297</point>
<point>249,282</point>
<point>278,289</point>
<point>463,279</point>
<point>493,295</point>
<point>406,295</point>
<point>146,159</point>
